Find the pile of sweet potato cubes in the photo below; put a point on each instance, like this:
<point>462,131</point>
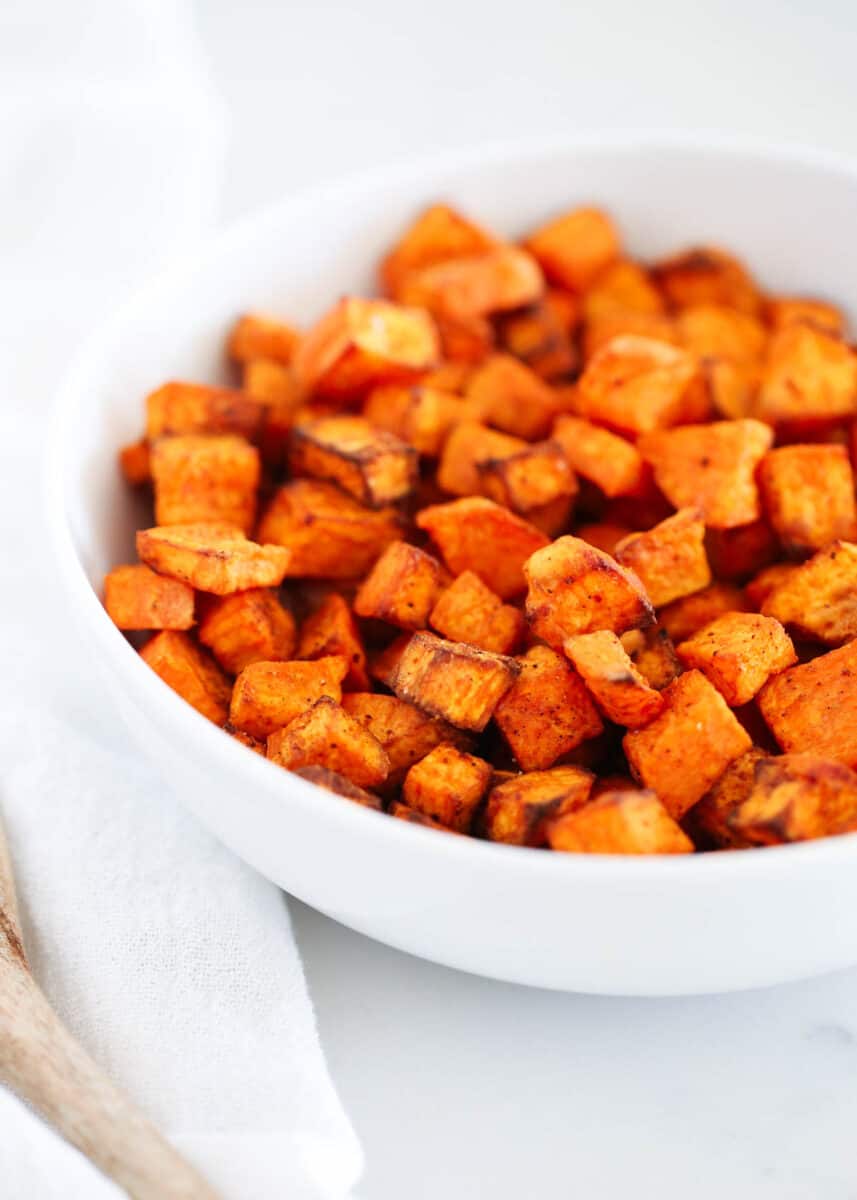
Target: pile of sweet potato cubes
<point>548,546</point>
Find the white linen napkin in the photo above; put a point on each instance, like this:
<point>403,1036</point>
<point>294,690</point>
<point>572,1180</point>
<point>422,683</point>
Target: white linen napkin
<point>172,961</point>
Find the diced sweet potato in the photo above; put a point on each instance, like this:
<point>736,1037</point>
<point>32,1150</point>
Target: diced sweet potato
<point>539,336</point>
<point>653,654</point>
<point>200,478</point>
<point>636,385</point>
<point>808,493</point>
<point>689,746</point>
<point>574,588</point>
<point>711,467</point>
<point>730,387</point>
<point>384,664</point>
<point>547,712</point>
<point>706,275</point>
<point>809,377</point>
<point>135,463</point>
<point>602,457</point>
<point>763,584</point>
<point>530,480</point>
<point>670,558</point>
<point>373,466</point>
<point>469,444</point>
<point>437,235</point>
<point>246,628</point>
<point>510,396</point>
<point>813,706</point>
<point>468,611</point>
<point>329,535</point>
<point>475,534</point>
<point>190,671</point>
<point>720,331</point>
<point>447,785</point>
<point>741,551</point>
<point>620,691</point>
<point>598,331</point>
<point>495,280</point>
<point>459,683</point>
<point>402,587</point>
<point>795,798</point>
<point>623,286</point>
<point>326,736</point>
<point>620,822</point>
<point>466,340</point>
<point>708,822</point>
<point>273,383</point>
<point>406,733</point>
<point>332,782</point>
<point>519,810</point>
<point>738,653</point>
<point>269,695</point>
<point>212,557</point>
<point>685,617</point>
<point>603,535</point>
<point>818,599</point>
<point>193,408</point>
<point>449,377</point>
<point>575,247</point>
<point>783,311</point>
<point>404,812</point>
<point>420,415</point>
<point>136,598</point>
<point>331,629</point>
<point>256,336</point>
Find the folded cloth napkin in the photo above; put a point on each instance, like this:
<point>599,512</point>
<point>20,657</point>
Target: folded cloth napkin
<point>173,962</point>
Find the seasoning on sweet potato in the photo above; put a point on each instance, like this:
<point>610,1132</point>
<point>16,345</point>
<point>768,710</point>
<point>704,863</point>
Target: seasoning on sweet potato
<point>813,706</point>
<point>420,415</point>
<point>536,483</point>
<point>404,812</point>
<point>438,234</point>
<point>808,493</point>
<point>495,280</point>
<point>809,377</point>
<point>795,798</point>
<point>620,691</point>
<point>547,712</point>
<point>332,782</point>
<point>602,457</point>
<point>741,551</point>
<point>475,534</point>
<point>708,822</point>
<point>619,822</point>
<point>447,785</point>
<point>763,584</point>
<point>508,395</point>
<point>179,408</point>
<point>598,331</point>
<point>406,732</point>
<point>190,671</point>
<point>326,736</point>
<point>653,653</point>
<point>574,588</point>
<point>783,311</point>
<point>135,463</point>
<point>670,558</point>
<point>818,599</point>
<point>373,466</point>
<point>269,695</point>
<point>738,652</point>
<point>328,534</point>
<point>200,478</point>
<point>331,629</point>
<point>688,747</point>
<point>685,617</point>
<point>453,681</point>
<point>256,336</point>
<point>539,337</point>
<point>212,557</point>
<point>575,247</point>
<point>711,467</point>
<point>402,587</point>
<point>137,598</point>
<point>706,275</point>
<point>635,385</point>
<point>468,611</point>
<point>248,627</point>
<point>519,810</point>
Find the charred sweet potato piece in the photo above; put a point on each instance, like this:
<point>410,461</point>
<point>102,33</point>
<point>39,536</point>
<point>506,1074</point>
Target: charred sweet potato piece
<point>136,598</point>
<point>530,480</point>
<point>437,235</point>
<point>510,396</point>
<point>469,444</point>
<point>670,558</point>
<point>246,628</point>
<point>269,695</point>
<point>373,466</point>
<point>783,311</point>
<point>574,588</point>
<point>190,671</point>
<point>762,585</point>
<point>453,681</point>
<point>708,822</point>
<point>402,587</point>
<point>256,336</point>
<point>685,617</point>
<point>331,629</point>
<point>326,736</point>
<point>539,337</point>
<point>475,534</point>
<point>635,385</point>
<point>689,746</point>
<point>808,493</point>
<point>404,812</point>
<point>135,463</point>
<point>332,782</point>
<point>205,479</point>
<point>706,275</point>
<point>818,600</point>
<point>795,798</point>
<point>406,733</point>
<point>600,330</point>
<point>711,467</point>
<point>741,551</point>
<point>447,785</point>
<point>495,280</point>
<point>602,457</point>
<point>519,810</point>
<point>653,654</point>
<point>575,247</point>
<point>603,535</point>
<point>813,706</point>
<point>212,557</point>
<point>328,534</point>
<point>420,415</point>
<point>468,611</point>
<point>193,408</point>
<point>809,377</point>
<point>738,653</point>
<point>547,712</point>
<point>619,822</point>
<point>620,691</point>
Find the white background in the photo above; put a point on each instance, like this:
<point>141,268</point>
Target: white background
<point>458,1087</point>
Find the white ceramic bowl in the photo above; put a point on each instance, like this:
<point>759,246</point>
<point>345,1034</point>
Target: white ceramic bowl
<point>654,926</point>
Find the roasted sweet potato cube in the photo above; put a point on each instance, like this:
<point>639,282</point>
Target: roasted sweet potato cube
<point>449,377</point>
<point>510,396</point>
<point>361,343</point>
<point>623,286</point>
<point>706,275</point>
<point>332,782</point>
<point>135,463</point>
<point>565,306</point>
<point>689,746</point>
<point>598,331</point>
<point>783,311</point>
<point>711,467</point>
<point>437,235</point>
<point>467,340</point>
<point>404,812</point>
<point>478,535</point>
<point>602,457</point>
<point>269,695</point>
<point>808,493</point>
<point>329,535</point>
<point>137,598</point>
<point>200,478</point>
<point>331,629</point>
<point>326,736</point>
<point>619,822</point>
<point>818,600</point>
<point>530,480</point>
<point>519,810</point>
<point>636,385</point>
<point>741,551</point>
<point>547,712</point>
<point>763,584</point>
<point>384,663</point>
<point>468,611</point>
<point>188,408</point>
<point>574,588</point>
<point>212,557</point>
<point>469,444</point>
<point>273,383</point>
<point>685,617</point>
<point>190,671</point>
<point>722,332</point>
<point>795,798</point>
<point>738,653</point>
<point>620,691</point>
<point>406,733</point>
<point>447,785</point>
<point>813,706</point>
<point>453,681</point>
<point>420,415</point>
<point>575,247</point>
<point>653,654</point>
<point>603,535</point>
<point>669,558</point>
<point>809,378</point>
<point>708,822</point>
<point>246,628</point>
<point>373,466</point>
<point>257,336</point>
<point>495,280</point>
<point>540,337</point>
<point>402,588</point>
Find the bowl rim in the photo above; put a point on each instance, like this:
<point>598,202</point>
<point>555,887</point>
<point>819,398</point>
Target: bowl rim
<point>200,736</point>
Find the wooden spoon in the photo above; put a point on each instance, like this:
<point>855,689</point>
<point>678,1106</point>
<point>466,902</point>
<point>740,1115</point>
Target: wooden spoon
<point>45,1065</point>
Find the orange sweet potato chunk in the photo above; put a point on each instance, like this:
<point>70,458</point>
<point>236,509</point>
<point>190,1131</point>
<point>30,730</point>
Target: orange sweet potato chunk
<point>685,617</point>
<point>323,777</point>
<point>808,493</point>
<point>602,457</point>
<point>373,466</point>
<point>200,478</point>
<point>620,691</point>
<point>688,747</point>
<point>248,627</point>
<point>783,311</point>
<point>600,330</point>
<point>456,682</point>
<point>818,599</point>
<point>269,695</point>
<point>257,336</point>
<point>722,332</point>
<point>468,611</point>
<point>765,582</point>
<point>738,652</point>
<point>383,664</point>
<point>795,798</point>
<point>402,587</point>
<point>519,810</point>
<point>619,822</point>
<point>741,551</point>
<point>495,280</point>
<point>653,654</point>
<point>447,785</point>
<point>510,396</point>
<point>438,234</point>
<point>709,821</point>
<point>326,736</point>
<point>212,557</point>
<point>575,247</point>
<point>194,408</point>
<point>604,535</point>
<point>706,275</point>
<point>331,629</point>
<point>670,558</point>
<point>622,287</point>
<point>809,377</point>
<point>813,706</point>
<point>137,598</point>
<point>635,385</point>
<point>547,712</point>
<point>469,444</point>
<point>539,336</point>
<point>421,415</point>
<point>406,732</point>
<point>135,463</point>
<point>190,671</point>
<point>465,340</point>
<point>533,482</point>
